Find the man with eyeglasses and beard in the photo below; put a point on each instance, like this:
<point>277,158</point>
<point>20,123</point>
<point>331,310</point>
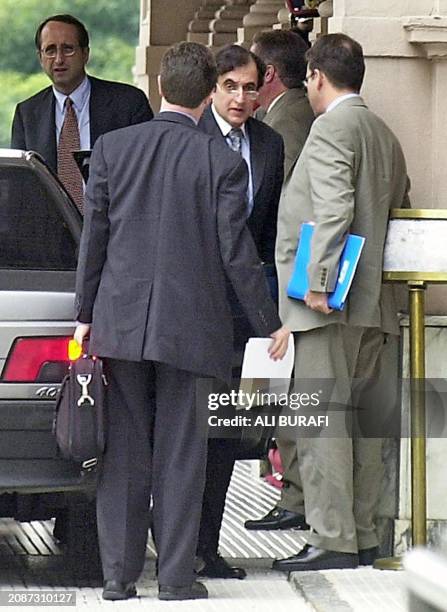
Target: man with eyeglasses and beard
<point>229,117</point>
<point>77,108</point>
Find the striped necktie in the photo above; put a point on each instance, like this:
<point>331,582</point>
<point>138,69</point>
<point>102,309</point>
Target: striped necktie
<point>67,169</point>
<point>235,136</point>
<point>234,141</point>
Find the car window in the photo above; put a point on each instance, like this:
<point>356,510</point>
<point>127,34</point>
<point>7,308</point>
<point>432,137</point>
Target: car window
<point>33,234</point>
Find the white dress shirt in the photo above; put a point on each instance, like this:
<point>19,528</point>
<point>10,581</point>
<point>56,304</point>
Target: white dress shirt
<point>81,104</point>
<point>226,128</point>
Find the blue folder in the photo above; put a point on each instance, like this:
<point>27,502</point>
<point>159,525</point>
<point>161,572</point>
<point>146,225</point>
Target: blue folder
<point>299,284</point>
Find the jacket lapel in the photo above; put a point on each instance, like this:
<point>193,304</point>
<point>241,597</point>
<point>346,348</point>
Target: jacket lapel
<point>46,127</point>
<point>100,118</point>
<point>258,154</point>
<point>208,124</point>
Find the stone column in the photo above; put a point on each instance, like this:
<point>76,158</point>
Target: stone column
<point>161,24</point>
<point>283,18</point>
<point>262,16</point>
<point>216,23</point>
<point>228,20</point>
<point>199,28</point>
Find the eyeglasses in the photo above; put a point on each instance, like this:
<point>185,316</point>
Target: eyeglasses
<point>308,78</point>
<point>233,90</point>
<point>50,52</point>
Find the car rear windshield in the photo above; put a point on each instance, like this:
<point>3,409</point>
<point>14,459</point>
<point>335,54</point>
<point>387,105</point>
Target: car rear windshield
<point>33,233</point>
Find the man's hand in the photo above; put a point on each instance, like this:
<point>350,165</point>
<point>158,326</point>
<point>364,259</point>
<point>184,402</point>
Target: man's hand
<point>81,333</point>
<point>317,301</point>
<point>278,347</point>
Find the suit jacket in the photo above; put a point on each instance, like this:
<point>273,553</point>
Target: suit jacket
<point>163,228</point>
<point>292,117</point>
<point>267,159</point>
<point>112,106</point>
<point>350,173</point>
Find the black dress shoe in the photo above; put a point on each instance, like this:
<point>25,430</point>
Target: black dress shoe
<point>278,518</point>
<point>114,590</point>
<point>215,566</point>
<point>171,593</point>
<point>367,556</point>
<point>311,558</point>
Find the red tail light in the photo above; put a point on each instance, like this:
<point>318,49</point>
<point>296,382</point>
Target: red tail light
<point>37,359</point>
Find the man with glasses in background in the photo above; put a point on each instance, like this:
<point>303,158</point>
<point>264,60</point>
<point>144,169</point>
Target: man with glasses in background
<point>240,75</point>
<point>76,109</point>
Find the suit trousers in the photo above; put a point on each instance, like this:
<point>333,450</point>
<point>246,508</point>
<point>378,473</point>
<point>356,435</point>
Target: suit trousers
<point>341,473</point>
<point>156,445</point>
<point>222,454</point>
<point>292,496</point>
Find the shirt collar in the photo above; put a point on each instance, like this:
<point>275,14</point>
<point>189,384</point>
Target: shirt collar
<point>340,99</point>
<point>277,99</point>
<point>79,96</point>
<point>224,126</point>
<point>167,110</point>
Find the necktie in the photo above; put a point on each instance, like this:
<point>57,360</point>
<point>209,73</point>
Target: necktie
<point>67,168</point>
<point>235,136</point>
<point>234,140</point>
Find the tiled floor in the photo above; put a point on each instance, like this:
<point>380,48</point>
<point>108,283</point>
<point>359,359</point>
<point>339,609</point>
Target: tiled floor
<point>29,559</point>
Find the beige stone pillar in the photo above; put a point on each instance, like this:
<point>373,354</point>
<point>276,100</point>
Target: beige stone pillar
<point>283,18</point>
<point>199,28</point>
<point>161,24</point>
<point>405,45</point>
<point>216,22</point>
<point>228,20</point>
<point>262,16</point>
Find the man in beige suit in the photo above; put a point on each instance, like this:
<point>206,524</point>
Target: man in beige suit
<point>287,110</point>
<point>350,174</point>
<point>282,94</point>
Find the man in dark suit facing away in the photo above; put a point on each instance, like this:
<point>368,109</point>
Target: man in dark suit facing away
<point>240,75</point>
<point>99,106</point>
<point>164,228</point>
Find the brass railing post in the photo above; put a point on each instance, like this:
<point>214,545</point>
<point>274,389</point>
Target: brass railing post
<point>407,260</point>
<point>417,408</point>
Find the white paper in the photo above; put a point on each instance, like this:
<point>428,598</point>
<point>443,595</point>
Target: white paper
<point>257,362</point>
